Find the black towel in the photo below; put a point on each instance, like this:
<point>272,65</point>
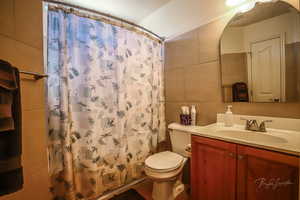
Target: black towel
<point>11,176</point>
<point>8,84</point>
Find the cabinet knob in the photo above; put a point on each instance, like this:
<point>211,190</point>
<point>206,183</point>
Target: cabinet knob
<point>231,154</point>
<point>240,157</point>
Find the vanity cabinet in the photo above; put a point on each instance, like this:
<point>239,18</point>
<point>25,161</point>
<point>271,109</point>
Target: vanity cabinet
<point>213,168</point>
<point>228,171</point>
<point>263,175</point>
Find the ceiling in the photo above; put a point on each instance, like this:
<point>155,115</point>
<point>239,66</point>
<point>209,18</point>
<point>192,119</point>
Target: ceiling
<point>166,18</point>
<point>131,10</point>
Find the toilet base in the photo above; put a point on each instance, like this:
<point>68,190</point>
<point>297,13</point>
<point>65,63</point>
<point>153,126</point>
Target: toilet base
<point>166,185</point>
<point>167,190</point>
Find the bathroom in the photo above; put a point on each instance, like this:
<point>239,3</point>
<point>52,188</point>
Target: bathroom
<point>191,51</point>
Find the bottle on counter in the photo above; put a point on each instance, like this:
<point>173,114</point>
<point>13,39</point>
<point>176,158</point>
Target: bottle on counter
<point>228,117</point>
<point>193,115</point>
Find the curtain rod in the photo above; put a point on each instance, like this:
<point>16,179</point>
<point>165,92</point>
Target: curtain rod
<point>105,15</point>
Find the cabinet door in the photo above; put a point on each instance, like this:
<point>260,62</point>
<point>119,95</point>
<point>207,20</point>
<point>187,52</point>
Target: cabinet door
<point>213,169</point>
<point>264,175</point>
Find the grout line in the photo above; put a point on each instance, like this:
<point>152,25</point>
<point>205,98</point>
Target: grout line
<point>24,43</point>
<point>170,68</point>
<point>33,109</point>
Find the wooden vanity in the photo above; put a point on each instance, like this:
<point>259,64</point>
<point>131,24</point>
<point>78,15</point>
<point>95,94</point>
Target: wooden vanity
<point>231,163</point>
<point>223,170</point>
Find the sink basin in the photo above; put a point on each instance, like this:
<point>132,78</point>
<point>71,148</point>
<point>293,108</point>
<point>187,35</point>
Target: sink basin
<point>284,136</point>
<point>252,136</point>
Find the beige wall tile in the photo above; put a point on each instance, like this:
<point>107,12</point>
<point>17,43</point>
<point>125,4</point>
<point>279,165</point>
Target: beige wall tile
<point>36,186</point>
<point>182,51</point>
<point>34,141</point>
<point>7,49</point>
<point>28,22</point>
<point>291,93</point>
<point>32,94</point>
<point>173,111</point>
<point>188,38</point>
<point>21,55</point>
<point>207,112</point>
<point>234,68</point>
<point>202,82</point>
<point>174,85</point>
<point>297,48</point>
<point>209,36</point>
<point>289,110</point>
<point>28,58</point>
<point>7,18</point>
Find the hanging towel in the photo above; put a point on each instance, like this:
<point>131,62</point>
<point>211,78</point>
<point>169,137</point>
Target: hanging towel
<point>6,118</point>
<point>8,84</point>
<point>11,175</point>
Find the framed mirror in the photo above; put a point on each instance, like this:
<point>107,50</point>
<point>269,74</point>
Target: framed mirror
<point>260,55</point>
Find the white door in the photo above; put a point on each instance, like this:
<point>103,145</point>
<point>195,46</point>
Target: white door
<point>265,71</point>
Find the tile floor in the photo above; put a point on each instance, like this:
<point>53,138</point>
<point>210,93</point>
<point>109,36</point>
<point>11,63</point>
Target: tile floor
<point>145,189</point>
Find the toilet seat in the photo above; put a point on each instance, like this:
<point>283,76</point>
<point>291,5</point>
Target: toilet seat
<point>164,161</point>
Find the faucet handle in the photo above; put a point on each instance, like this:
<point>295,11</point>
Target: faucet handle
<point>262,126</point>
<point>253,125</point>
<point>249,123</point>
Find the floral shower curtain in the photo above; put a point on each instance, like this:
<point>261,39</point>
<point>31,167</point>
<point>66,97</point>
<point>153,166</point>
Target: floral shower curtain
<point>105,99</point>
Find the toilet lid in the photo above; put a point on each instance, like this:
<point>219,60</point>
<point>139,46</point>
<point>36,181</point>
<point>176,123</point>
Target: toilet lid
<point>164,160</point>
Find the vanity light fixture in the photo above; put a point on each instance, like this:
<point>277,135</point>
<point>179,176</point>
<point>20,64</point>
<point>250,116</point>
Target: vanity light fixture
<point>232,3</point>
<point>264,1</point>
<point>246,7</point>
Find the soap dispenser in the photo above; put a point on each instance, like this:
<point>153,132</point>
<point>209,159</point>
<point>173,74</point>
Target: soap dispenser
<point>228,118</point>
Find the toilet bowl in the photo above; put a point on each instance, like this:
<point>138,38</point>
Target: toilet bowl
<point>165,170</point>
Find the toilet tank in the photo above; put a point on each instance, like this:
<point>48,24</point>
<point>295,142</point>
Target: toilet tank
<point>179,141</point>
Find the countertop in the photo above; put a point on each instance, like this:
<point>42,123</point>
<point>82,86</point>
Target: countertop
<point>285,141</point>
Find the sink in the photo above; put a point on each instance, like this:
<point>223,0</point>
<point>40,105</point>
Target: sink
<point>251,136</point>
<point>283,135</point>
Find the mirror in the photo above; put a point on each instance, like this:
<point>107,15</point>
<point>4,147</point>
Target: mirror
<point>260,55</point>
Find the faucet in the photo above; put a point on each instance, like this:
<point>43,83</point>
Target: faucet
<point>252,125</point>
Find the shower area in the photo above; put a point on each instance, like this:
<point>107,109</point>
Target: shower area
<point>105,101</point>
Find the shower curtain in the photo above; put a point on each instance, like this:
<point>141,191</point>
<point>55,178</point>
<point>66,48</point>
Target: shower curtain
<point>105,102</point>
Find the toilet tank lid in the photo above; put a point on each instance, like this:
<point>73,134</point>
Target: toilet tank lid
<point>164,160</point>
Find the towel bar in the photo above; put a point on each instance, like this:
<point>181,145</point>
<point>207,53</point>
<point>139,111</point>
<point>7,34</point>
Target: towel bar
<point>36,76</point>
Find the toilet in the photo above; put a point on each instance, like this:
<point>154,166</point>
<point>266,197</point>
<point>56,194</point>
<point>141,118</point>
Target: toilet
<point>165,168</point>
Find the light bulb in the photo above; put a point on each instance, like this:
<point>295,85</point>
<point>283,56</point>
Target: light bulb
<point>246,7</point>
<point>234,2</point>
<point>264,1</point>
